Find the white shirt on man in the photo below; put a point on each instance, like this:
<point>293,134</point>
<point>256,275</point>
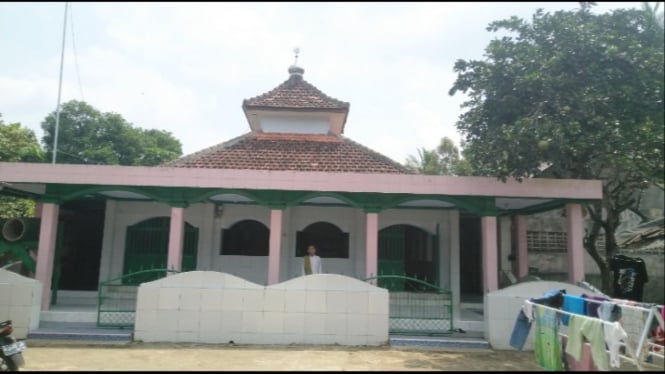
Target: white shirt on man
<point>315,262</point>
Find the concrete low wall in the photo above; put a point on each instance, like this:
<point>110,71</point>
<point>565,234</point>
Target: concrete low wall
<point>213,307</point>
<point>502,307</point>
<point>20,301</point>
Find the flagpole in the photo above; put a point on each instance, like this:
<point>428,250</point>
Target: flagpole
<point>57,115</point>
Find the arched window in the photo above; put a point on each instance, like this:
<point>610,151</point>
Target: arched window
<point>330,241</point>
<point>246,238</point>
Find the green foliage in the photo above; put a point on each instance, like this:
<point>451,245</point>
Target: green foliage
<point>18,144</point>
<point>579,91</point>
<point>86,135</point>
<point>444,160</point>
<point>427,162</point>
<point>582,91</point>
<point>11,207</point>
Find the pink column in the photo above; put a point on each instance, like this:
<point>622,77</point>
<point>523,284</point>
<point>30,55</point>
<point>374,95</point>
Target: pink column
<point>274,252</point>
<point>48,233</point>
<point>176,239</point>
<point>490,254</point>
<point>575,242</point>
<point>522,255</point>
<point>371,245</point>
<point>38,210</point>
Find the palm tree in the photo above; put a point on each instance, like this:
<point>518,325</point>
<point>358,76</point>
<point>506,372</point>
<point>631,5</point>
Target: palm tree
<point>654,15</point>
<point>427,162</point>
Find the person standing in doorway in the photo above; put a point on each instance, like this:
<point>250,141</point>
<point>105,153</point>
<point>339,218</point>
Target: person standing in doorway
<point>311,262</point>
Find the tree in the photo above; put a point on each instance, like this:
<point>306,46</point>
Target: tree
<point>444,160</point>
<point>86,135</point>
<point>581,91</point>
<point>655,17</point>
<point>17,144</point>
<point>427,162</point>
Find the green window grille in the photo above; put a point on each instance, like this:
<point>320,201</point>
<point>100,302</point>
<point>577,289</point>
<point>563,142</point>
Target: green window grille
<point>146,247</point>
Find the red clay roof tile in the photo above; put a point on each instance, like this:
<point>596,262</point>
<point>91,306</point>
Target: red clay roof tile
<point>295,93</point>
<point>299,152</point>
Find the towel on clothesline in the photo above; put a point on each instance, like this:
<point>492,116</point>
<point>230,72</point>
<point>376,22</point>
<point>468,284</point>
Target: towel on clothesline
<point>572,304</point>
<point>585,364</point>
<point>581,327</point>
<point>547,344</point>
<point>521,331</point>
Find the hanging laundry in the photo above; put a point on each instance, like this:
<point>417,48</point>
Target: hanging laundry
<point>553,298</point>
<point>572,304</point>
<point>614,334</point>
<point>520,331</point>
<point>609,311</point>
<point>528,310</point>
<point>633,322</point>
<point>660,332</point>
<point>630,274</point>
<point>584,364</point>
<point>592,307</point>
<point>581,327</point>
<point>547,345</point>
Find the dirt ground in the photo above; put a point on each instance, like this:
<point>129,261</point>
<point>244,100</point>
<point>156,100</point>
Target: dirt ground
<point>59,356</point>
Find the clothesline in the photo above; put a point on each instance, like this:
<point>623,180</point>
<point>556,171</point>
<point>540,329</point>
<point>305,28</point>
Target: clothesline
<point>529,302</point>
<point>654,311</point>
<point>636,354</point>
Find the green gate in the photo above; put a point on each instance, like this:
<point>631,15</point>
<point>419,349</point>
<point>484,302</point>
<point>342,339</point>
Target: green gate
<point>116,303</point>
<point>421,308</point>
<point>147,245</point>
<point>392,243</point>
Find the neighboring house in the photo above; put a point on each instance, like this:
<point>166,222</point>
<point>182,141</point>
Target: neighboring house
<point>251,205</point>
<point>546,241</point>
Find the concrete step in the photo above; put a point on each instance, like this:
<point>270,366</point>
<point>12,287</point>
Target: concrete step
<point>84,314</point>
<point>471,326</point>
<point>452,341</point>
<point>67,297</point>
<point>78,331</point>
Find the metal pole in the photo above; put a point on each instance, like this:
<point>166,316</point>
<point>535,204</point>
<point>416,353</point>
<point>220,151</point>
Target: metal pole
<point>57,115</point>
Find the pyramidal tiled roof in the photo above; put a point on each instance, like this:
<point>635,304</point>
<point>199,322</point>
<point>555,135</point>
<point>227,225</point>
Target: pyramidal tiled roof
<point>298,152</point>
<point>295,93</point>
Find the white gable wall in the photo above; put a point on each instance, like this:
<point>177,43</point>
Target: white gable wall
<point>295,125</point>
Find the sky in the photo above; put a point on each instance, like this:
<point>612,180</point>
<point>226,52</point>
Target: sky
<point>187,67</point>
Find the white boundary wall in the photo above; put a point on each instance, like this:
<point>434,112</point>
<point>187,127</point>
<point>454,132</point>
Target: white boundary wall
<point>502,307</point>
<point>213,307</point>
<point>20,301</point>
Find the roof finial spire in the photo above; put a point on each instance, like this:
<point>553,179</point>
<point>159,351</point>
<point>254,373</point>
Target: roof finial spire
<point>294,70</point>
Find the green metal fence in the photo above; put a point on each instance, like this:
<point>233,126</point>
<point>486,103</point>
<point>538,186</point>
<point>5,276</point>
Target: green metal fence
<point>421,309</point>
<point>116,305</point>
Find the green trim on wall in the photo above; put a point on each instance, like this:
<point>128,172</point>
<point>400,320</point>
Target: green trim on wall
<point>277,199</point>
<point>310,195</point>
